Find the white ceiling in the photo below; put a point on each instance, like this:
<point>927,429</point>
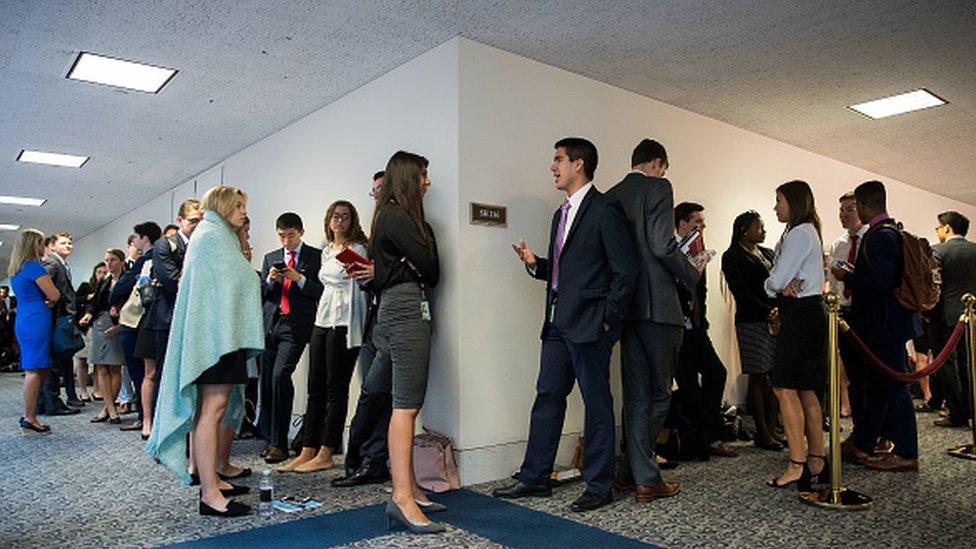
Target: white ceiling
<point>248,68</point>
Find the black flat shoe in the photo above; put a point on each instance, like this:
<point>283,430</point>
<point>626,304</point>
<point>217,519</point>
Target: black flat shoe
<point>362,476</point>
<point>98,419</point>
<point>235,490</point>
<point>522,490</point>
<point>234,509</point>
<point>29,428</point>
<point>65,411</point>
<point>115,421</point>
<point>588,501</point>
<point>243,474</point>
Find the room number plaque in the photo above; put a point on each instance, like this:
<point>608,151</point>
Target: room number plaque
<point>488,214</point>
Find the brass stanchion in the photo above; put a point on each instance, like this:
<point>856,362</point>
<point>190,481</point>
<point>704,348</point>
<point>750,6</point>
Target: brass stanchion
<point>836,496</point>
<point>968,451</point>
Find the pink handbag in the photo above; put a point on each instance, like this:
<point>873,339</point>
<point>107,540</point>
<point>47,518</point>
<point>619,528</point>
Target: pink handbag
<point>433,462</point>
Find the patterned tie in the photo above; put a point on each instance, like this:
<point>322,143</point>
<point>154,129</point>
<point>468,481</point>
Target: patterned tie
<point>851,257</point>
<point>558,246</point>
<point>285,304</point>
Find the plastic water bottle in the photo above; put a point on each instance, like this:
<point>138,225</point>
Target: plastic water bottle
<point>265,506</point>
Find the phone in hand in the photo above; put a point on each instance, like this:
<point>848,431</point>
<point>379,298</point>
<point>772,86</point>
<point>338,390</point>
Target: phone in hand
<point>281,266</point>
<point>844,266</point>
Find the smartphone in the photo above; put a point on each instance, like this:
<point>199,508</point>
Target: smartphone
<point>843,265</point>
<point>279,265</point>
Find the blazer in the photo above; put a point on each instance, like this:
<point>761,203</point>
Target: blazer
<point>957,259</point>
<point>693,304</point>
<point>597,271</point>
<point>62,281</point>
<point>304,301</point>
<point>875,312</point>
<point>648,203</point>
<point>167,268</point>
<point>746,276</point>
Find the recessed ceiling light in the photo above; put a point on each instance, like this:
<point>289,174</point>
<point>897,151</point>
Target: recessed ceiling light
<point>22,201</point>
<point>898,104</point>
<point>52,159</point>
<point>99,69</point>
<point>6,227</point>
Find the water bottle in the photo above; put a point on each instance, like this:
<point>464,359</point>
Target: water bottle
<point>265,506</point>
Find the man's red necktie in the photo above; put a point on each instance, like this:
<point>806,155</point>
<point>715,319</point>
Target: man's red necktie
<point>285,304</point>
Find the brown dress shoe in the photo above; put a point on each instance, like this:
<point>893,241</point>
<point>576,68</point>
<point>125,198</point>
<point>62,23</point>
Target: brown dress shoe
<point>275,455</point>
<point>265,450</point>
<point>644,493</point>
<point>850,453</point>
<point>623,483</point>
<point>892,462</point>
<point>884,447</point>
<point>722,450</point>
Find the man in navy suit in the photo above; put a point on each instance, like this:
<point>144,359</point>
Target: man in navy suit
<point>591,272</point>
<point>885,326</point>
<point>290,288</point>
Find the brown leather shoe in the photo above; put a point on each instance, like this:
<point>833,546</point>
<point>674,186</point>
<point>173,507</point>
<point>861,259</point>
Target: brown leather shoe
<point>850,453</point>
<point>884,447</point>
<point>623,483</point>
<point>892,462</point>
<point>644,493</point>
<point>265,450</point>
<point>722,450</point>
<point>275,455</point>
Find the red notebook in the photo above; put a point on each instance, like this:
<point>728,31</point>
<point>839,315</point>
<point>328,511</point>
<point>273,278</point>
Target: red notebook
<point>349,256</point>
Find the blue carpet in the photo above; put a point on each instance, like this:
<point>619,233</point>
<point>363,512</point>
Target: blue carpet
<point>500,521</point>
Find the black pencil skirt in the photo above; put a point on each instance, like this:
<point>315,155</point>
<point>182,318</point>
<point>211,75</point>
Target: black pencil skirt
<point>800,361</point>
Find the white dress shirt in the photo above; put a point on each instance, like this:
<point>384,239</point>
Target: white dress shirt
<point>342,302</point>
<point>799,255</point>
<point>575,200</point>
<point>839,251</point>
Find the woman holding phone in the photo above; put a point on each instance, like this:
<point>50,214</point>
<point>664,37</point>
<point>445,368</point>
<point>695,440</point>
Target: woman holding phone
<point>336,339</point>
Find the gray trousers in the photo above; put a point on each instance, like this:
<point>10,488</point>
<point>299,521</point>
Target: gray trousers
<point>649,356</point>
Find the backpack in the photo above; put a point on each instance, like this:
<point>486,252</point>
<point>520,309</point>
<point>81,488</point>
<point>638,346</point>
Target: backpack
<point>921,283</point>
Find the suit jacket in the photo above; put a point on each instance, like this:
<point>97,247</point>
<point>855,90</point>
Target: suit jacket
<point>876,314</point>
<point>597,270</point>
<point>957,259</point>
<point>167,268</point>
<point>693,304</point>
<point>649,206</point>
<point>746,276</point>
<point>62,281</point>
<point>304,301</point>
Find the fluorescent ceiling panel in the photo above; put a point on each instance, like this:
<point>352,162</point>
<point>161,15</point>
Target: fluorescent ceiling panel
<point>7,227</point>
<point>90,67</point>
<point>898,104</point>
<point>22,201</point>
<point>52,159</point>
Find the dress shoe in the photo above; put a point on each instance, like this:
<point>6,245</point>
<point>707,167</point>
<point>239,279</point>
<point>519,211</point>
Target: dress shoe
<point>364,475</point>
<point>644,493</point>
<point>243,474</point>
<point>589,501</point>
<point>884,447</point>
<point>892,462</point>
<point>275,455</point>
<point>234,509</point>
<point>394,514</point>
<point>115,420</point>
<point>64,411</point>
<point>429,507</point>
<point>851,454</point>
<point>623,482</point>
<point>522,490</point>
<point>77,403</point>
<point>234,490</point>
<point>30,429</point>
<point>265,450</point>
<point>721,450</point>
<point>950,423</point>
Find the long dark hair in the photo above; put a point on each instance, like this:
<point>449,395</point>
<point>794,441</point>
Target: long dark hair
<point>402,185</point>
<point>802,208</point>
<point>743,222</point>
<point>356,234</point>
<point>93,281</point>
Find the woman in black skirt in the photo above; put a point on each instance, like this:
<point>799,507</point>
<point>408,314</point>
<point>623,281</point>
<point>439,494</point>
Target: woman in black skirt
<point>799,364</point>
<point>406,268</point>
<point>746,267</point>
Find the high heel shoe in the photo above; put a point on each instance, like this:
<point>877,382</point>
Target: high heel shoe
<point>774,482</point>
<point>431,506</point>
<point>808,479</point>
<point>393,512</point>
<point>234,509</point>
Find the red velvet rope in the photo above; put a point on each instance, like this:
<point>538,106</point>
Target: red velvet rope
<point>913,376</point>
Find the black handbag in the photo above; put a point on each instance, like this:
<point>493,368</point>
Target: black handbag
<point>66,339</point>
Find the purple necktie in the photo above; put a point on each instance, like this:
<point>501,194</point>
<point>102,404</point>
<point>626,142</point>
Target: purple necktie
<point>557,248</point>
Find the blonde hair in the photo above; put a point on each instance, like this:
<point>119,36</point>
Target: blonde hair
<point>223,200</point>
<point>25,249</point>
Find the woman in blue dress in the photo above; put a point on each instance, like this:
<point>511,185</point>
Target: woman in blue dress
<point>36,295</point>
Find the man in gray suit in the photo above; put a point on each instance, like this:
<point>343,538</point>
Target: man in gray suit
<point>957,259</point>
<point>62,372</point>
<point>652,330</point>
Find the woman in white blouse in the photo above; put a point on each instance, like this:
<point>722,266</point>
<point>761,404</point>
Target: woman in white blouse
<point>799,365</point>
<point>335,343</point>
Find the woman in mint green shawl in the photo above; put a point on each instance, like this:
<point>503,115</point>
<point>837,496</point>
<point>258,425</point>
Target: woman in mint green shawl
<point>216,328</point>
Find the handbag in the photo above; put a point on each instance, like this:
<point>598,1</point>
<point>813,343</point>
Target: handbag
<point>433,462</point>
<point>66,339</point>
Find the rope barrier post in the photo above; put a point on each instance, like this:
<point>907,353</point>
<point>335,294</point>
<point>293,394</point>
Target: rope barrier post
<point>835,496</point>
<point>968,451</point>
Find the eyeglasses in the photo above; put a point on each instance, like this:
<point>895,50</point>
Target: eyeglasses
<point>341,217</point>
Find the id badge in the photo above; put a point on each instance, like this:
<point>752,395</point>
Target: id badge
<point>425,310</point>
<point>552,313</point>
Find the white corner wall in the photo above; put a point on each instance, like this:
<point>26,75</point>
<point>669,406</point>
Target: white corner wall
<point>512,111</point>
<point>487,121</point>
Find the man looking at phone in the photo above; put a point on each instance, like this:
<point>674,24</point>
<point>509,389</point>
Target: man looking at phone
<point>290,289</point>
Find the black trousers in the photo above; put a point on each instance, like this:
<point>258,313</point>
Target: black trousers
<point>701,401</point>
<point>283,347</point>
<point>369,427</point>
<point>855,367</point>
<point>888,410</point>
<point>330,367</point>
<point>953,377</point>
